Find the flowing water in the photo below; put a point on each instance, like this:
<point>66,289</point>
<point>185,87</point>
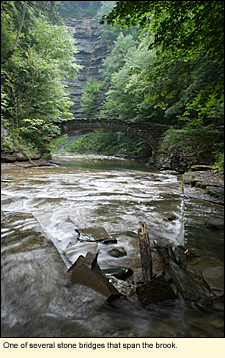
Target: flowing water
<point>42,207</point>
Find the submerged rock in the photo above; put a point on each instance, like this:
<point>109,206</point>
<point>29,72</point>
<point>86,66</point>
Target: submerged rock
<point>215,224</point>
<point>214,276</point>
<point>171,218</point>
<point>117,252</point>
<point>107,241</point>
<point>119,272</point>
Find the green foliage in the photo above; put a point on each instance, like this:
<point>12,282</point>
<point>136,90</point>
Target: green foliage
<point>183,28</point>
<point>13,142</point>
<point>117,56</point>
<point>89,97</point>
<point>32,80</point>
<point>134,83</point>
<point>110,33</point>
<point>58,143</point>
<point>98,141</point>
<point>194,135</point>
<point>108,143</point>
<point>78,9</point>
<point>4,103</point>
<point>219,163</point>
<point>176,74</point>
<point>12,17</point>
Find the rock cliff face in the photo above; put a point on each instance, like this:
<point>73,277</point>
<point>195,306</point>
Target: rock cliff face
<point>183,160</point>
<point>91,52</point>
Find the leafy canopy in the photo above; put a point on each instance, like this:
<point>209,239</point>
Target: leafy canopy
<point>183,28</point>
<point>184,74</point>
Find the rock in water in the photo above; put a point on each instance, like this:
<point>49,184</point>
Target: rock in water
<point>189,285</point>
<point>155,291</point>
<point>214,276</point>
<point>92,277</point>
<point>215,224</point>
<point>117,252</point>
<point>107,241</point>
<point>119,272</point>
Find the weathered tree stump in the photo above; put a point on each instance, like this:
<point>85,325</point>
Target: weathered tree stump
<point>146,258</point>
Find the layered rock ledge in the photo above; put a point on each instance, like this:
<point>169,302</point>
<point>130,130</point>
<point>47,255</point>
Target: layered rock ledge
<point>204,183</point>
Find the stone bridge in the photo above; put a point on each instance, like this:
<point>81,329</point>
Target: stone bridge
<point>149,132</point>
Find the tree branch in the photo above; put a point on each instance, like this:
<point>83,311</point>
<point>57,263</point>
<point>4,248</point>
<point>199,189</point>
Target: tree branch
<point>10,53</point>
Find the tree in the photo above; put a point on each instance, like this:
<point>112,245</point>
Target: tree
<point>110,33</point>
<point>15,14</point>
<point>10,53</point>
<point>183,27</point>
<point>185,40</point>
<point>89,97</point>
<point>32,79</point>
<point>117,56</point>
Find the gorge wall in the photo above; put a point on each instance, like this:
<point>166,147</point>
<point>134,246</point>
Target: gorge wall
<point>92,51</point>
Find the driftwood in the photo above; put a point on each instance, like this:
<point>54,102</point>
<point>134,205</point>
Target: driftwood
<point>146,257</point>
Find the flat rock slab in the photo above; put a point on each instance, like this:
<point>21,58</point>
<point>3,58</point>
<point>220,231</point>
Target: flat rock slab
<point>26,164</point>
<point>92,277</point>
<point>199,167</point>
<point>214,276</point>
<point>94,233</point>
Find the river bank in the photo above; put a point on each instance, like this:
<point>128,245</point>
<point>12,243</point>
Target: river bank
<point>19,161</point>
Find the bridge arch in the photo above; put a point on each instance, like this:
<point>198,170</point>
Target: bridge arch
<point>151,133</point>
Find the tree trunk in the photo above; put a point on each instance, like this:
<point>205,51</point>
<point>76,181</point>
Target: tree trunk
<point>10,53</point>
<point>146,258</point>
